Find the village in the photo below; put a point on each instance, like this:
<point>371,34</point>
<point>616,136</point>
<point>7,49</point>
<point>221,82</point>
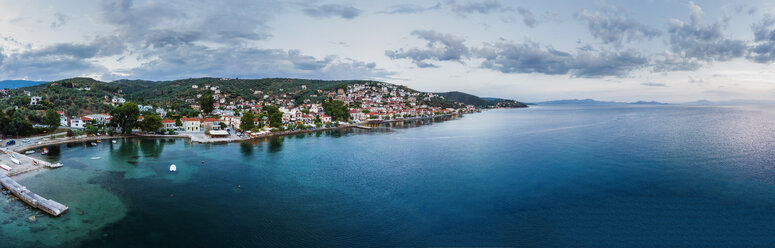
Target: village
<point>358,104</point>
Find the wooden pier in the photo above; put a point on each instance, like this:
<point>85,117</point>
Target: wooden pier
<point>49,206</point>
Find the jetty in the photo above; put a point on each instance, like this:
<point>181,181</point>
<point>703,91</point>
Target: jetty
<point>49,206</point>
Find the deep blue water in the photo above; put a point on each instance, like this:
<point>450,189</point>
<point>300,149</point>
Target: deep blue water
<point>614,176</point>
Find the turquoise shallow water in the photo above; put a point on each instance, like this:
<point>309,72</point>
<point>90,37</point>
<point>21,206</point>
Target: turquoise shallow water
<point>540,177</point>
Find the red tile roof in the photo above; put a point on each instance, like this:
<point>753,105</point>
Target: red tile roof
<point>165,121</point>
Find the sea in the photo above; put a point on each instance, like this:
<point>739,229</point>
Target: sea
<point>544,176</point>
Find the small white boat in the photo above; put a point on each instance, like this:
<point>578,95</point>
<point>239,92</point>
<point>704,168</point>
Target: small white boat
<point>95,158</point>
<point>57,165</point>
<point>13,155</point>
<point>93,144</point>
<point>5,167</point>
<point>113,141</point>
<point>173,168</point>
<point>29,152</point>
<point>15,161</point>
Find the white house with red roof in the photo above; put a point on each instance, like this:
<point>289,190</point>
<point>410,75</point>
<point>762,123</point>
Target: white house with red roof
<point>191,124</point>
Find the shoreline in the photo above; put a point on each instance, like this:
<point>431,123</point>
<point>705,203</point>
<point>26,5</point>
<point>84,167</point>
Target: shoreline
<point>58,141</point>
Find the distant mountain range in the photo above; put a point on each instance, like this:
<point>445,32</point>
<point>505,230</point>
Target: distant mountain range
<point>13,84</point>
<point>596,102</point>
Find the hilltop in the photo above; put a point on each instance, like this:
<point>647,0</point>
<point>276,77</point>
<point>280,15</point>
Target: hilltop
<point>482,102</point>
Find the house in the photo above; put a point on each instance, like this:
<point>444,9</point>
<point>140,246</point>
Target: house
<point>118,100</point>
<point>325,118</point>
<point>77,122</point>
<point>35,100</point>
<point>62,119</point>
<point>101,119</point>
<point>190,124</point>
<point>168,124</point>
<point>211,124</point>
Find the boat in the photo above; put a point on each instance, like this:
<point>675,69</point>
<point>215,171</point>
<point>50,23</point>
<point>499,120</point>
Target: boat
<point>173,168</point>
<point>44,152</point>
<point>95,158</point>
<point>29,152</point>
<point>57,165</point>
<point>5,167</point>
<point>13,155</point>
<point>99,141</point>
<point>94,144</point>
<point>113,141</point>
<point>15,161</point>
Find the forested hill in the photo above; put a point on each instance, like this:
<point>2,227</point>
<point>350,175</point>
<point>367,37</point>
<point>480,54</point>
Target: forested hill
<point>77,96</point>
<point>469,99</point>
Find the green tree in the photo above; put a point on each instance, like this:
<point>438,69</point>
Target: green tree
<point>206,103</point>
<point>125,116</point>
<point>246,121</point>
<point>275,116</point>
<point>51,119</point>
<point>337,110</point>
<point>178,123</point>
<point>150,123</point>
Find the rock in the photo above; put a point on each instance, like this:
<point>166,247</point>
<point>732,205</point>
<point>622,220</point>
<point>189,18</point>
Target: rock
<point>5,222</point>
<point>32,218</point>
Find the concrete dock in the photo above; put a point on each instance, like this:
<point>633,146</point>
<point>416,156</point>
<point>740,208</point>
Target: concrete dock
<point>49,206</point>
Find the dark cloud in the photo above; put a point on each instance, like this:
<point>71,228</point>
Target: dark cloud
<point>196,60</point>
<point>527,16</point>
<point>409,9</point>
<point>530,57</point>
<point>705,43</point>
<point>480,7</point>
<point>652,84</point>
<point>333,10</point>
<point>611,26</point>
<point>763,49</point>
<point>440,47</point>
<point>180,39</point>
<point>675,62</point>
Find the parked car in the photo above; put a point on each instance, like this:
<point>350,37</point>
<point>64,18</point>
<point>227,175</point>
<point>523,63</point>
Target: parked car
<point>26,140</point>
<point>10,143</point>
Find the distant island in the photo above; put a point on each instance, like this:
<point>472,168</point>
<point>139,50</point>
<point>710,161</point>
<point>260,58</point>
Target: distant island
<point>596,102</point>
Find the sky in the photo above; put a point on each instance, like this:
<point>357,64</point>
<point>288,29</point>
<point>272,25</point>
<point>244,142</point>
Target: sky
<point>662,50</point>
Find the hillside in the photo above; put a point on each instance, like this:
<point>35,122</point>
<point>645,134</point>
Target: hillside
<point>465,98</point>
<point>596,102</point>
<point>78,96</point>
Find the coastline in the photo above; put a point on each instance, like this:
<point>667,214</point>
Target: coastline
<point>58,141</point>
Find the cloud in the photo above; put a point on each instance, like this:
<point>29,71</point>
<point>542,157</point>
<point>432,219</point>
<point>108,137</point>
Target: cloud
<point>197,60</point>
<point>530,57</point>
<point>480,7</point>
<point>333,10</point>
<point>409,9</point>
<point>181,39</point>
<point>652,84</point>
<point>440,47</point>
<point>612,27</point>
<point>527,16</point>
<point>706,43</point>
<point>763,49</point>
<point>60,20</point>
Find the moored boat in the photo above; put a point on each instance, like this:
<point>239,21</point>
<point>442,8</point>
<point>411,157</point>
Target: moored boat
<point>173,168</point>
<point>29,152</point>
<point>57,165</point>
<point>5,167</point>
<point>44,152</point>
<point>15,161</point>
